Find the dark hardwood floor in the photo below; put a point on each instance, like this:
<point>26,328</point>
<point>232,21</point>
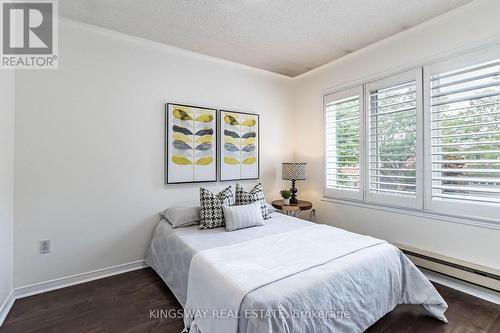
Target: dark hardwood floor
<point>122,303</point>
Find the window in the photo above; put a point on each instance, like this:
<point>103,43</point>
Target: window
<point>342,134</point>
<point>465,138</point>
<point>393,106</point>
<point>426,139</point>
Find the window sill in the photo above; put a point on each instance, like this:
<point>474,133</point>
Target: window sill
<point>491,224</point>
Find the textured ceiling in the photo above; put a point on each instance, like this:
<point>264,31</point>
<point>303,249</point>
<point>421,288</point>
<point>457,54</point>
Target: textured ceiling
<point>288,37</point>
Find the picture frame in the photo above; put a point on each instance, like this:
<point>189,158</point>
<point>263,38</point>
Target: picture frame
<point>191,144</point>
<point>239,145</point>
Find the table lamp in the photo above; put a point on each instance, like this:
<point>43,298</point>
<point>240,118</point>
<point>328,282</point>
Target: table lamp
<point>293,171</point>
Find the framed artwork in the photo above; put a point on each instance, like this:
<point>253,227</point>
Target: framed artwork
<point>239,145</point>
<point>190,144</point>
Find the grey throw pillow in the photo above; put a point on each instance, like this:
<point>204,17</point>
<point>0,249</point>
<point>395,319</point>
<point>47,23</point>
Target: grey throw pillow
<point>182,216</point>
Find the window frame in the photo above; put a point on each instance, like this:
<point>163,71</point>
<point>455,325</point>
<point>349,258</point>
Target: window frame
<point>390,199</point>
<point>478,214</point>
<point>466,209</point>
<point>337,192</point>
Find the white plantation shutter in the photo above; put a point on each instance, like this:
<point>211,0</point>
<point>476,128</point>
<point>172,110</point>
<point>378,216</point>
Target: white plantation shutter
<point>394,112</point>
<point>342,112</point>
<point>427,139</point>
<point>464,134</point>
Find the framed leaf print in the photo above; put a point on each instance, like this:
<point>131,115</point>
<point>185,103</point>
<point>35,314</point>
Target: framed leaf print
<point>239,145</point>
<point>191,144</point>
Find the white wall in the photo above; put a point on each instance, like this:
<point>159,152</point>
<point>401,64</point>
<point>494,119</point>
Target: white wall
<point>89,145</point>
<point>89,141</point>
<point>468,25</point>
<point>6,183</point>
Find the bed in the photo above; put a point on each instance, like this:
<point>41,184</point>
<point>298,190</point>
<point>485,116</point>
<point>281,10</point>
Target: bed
<point>289,275</point>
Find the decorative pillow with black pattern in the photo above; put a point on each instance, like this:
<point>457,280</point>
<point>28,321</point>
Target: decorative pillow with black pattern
<point>256,194</point>
<point>211,213</point>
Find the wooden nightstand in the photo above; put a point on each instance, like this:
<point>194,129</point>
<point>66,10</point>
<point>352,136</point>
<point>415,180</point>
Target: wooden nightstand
<point>293,210</point>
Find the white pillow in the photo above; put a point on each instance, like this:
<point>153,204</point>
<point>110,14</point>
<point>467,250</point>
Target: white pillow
<point>182,216</point>
<point>243,216</point>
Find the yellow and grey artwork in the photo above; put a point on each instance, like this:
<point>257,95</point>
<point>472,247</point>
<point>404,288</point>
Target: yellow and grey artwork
<point>240,154</point>
<point>191,146</point>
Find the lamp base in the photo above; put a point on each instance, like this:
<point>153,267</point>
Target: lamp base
<point>293,199</point>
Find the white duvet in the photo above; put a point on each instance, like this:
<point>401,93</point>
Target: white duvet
<point>287,276</point>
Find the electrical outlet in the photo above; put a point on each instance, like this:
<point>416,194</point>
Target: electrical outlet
<point>45,246</point>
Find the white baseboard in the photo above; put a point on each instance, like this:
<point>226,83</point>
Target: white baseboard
<point>67,281</point>
<point>465,287</point>
<point>6,306</point>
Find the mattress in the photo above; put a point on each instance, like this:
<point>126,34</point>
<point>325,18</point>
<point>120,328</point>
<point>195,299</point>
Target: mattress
<point>348,294</point>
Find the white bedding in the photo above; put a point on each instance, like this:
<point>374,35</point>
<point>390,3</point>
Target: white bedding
<point>347,294</point>
<point>171,249</point>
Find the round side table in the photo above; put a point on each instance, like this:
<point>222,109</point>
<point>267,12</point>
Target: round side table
<point>292,210</point>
